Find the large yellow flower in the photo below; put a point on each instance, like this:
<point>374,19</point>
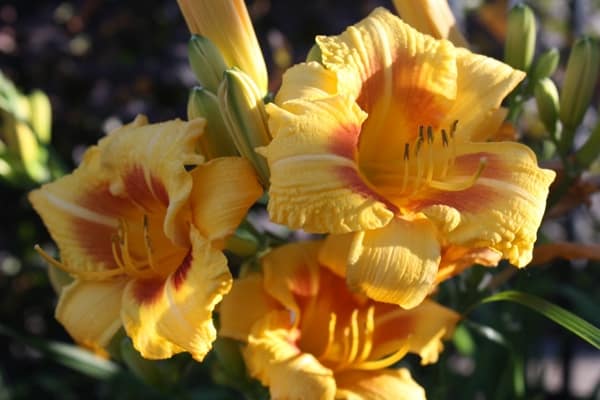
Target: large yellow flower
<point>309,337</point>
<point>387,140</point>
<point>139,224</point>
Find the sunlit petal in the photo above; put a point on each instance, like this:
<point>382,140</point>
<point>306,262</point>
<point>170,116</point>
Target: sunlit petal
<point>147,165</point>
<point>272,357</point>
<point>89,311</point>
<point>380,384</point>
<point>167,317</point>
<point>502,210</point>
<point>315,182</point>
<point>396,264</point>
<point>217,213</point>
<point>82,215</point>
<point>482,84</point>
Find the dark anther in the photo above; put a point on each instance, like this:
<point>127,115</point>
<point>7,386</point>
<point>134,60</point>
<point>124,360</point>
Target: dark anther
<point>429,134</point>
<point>444,138</point>
<point>406,151</point>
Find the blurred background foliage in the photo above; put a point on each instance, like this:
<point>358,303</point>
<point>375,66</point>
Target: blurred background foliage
<point>102,62</point>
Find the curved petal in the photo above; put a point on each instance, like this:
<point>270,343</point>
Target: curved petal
<point>396,264</point>
<point>455,259</point>
<point>380,384</point>
<point>236,322</point>
<point>315,183</point>
<point>433,17</point>
<point>307,81</point>
<point>147,164</point>
<point>89,311</point>
<point>82,216</point>
<point>291,273</point>
<point>167,317</point>
<point>272,357</point>
<point>504,207</point>
<point>483,83</point>
<point>400,77</point>
<point>423,327</point>
<point>217,213</point>
<point>335,251</point>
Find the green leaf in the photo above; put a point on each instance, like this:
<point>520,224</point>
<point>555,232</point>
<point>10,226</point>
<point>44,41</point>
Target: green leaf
<point>70,356</point>
<point>564,318</point>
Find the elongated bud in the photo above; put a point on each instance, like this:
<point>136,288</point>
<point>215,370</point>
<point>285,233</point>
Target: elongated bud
<point>41,115</point>
<point>216,140</point>
<point>206,62</point>
<point>244,114</point>
<point>30,153</point>
<point>227,24</point>
<point>433,17</point>
<point>520,37</point>
<point>590,150</point>
<point>579,84</point>
<point>546,96</point>
<point>546,64</point>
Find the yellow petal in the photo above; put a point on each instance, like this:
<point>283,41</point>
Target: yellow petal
<point>423,327</point>
<point>400,77</point>
<point>167,317</point>
<point>307,81</point>
<point>483,83</point>
<point>89,311</point>
<point>456,259</point>
<point>315,184</point>
<point>82,216</point>
<point>272,357</point>
<point>396,264</point>
<point>223,191</point>
<point>292,271</point>
<point>433,17</point>
<point>334,253</point>
<point>228,25</point>
<point>380,384</point>
<point>502,210</point>
<point>147,165</point>
<point>235,321</point>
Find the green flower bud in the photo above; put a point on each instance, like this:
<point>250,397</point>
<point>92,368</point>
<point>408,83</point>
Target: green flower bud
<point>314,54</point>
<point>216,140</point>
<point>590,150</point>
<point>546,64</point>
<point>206,62</point>
<point>520,37</point>
<point>546,96</point>
<point>41,115</point>
<point>245,116</point>
<point>579,84</point>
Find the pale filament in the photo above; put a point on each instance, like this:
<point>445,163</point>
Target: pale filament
<point>425,164</point>
<point>356,341</point>
<point>123,257</point>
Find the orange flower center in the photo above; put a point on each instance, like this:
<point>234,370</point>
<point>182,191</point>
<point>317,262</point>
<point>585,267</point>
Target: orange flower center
<point>341,328</point>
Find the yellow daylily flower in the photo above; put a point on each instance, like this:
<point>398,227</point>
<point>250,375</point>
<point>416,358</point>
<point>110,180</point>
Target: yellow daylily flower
<point>308,336</point>
<point>388,140</point>
<point>140,226</point>
<point>227,24</point>
<point>433,17</point>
